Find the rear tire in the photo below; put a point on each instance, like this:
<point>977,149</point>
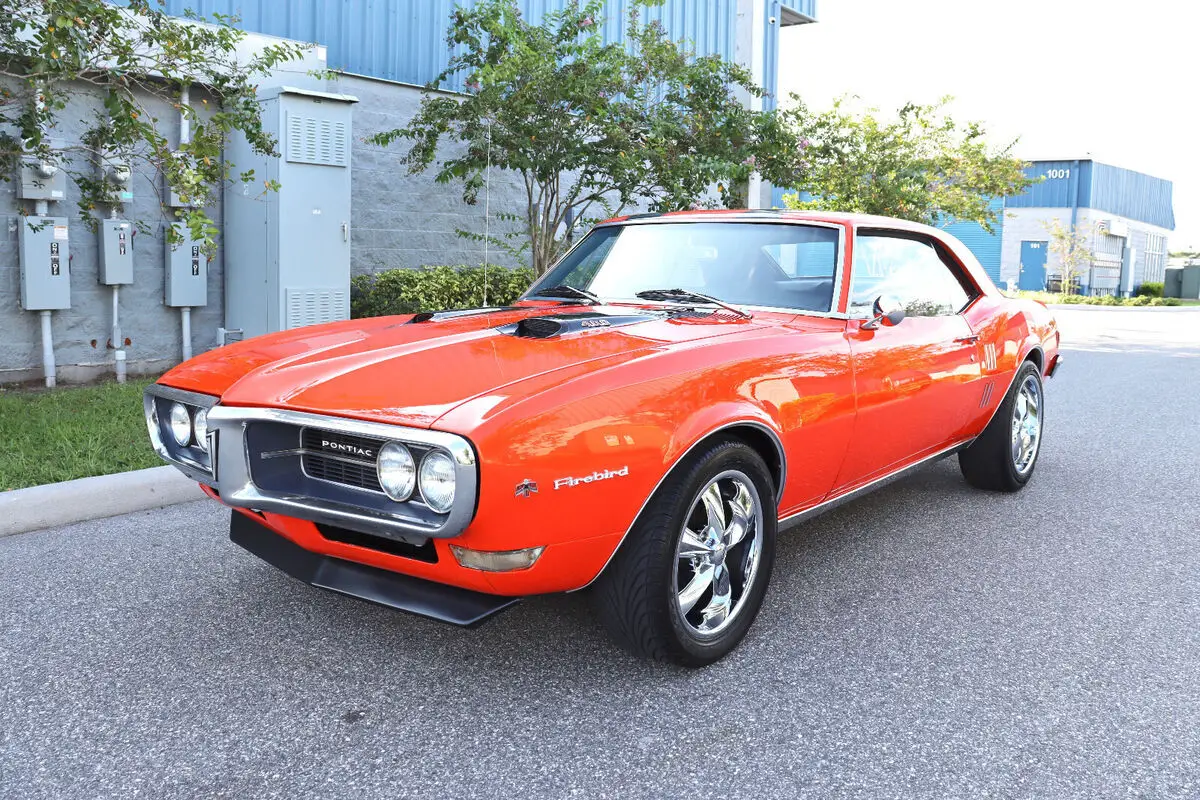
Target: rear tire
<point>1002,459</point>
<point>690,577</point>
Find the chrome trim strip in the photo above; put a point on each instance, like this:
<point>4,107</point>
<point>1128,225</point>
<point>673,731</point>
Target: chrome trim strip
<point>867,488</point>
<point>238,489</point>
<point>677,461</point>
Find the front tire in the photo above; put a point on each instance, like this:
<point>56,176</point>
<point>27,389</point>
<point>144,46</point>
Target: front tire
<point>691,575</point>
<point>1003,457</point>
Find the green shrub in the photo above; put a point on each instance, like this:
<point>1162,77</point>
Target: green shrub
<point>1157,301</point>
<point>1150,289</point>
<point>1171,301</point>
<point>1140,300</point>
<point>1108,300</point>
<point>1072,299</point>
<point>410,291</point>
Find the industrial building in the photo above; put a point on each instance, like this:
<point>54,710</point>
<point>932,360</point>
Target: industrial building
<point>79,305</point>
<point>1125,217</point>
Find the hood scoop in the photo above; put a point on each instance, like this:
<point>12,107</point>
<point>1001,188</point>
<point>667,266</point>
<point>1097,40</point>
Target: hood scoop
<point>550,326</point>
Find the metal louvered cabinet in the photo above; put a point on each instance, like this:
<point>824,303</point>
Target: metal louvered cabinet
<point>287,252</point>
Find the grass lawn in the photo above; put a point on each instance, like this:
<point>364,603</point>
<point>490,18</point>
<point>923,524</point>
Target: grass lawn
<point>52,435</point>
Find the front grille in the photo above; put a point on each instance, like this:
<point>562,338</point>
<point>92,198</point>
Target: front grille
<point>348,468</point>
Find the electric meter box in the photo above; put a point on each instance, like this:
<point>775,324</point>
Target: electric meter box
<point>116,252</point>
<point>45,256</point>
<point>187,271</point>
<point>41,180</point>
<point>115,172</point>
<point>287,254</point>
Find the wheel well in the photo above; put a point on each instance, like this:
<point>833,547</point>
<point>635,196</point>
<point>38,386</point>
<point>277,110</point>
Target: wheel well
<point>763,443</point>
<point>1038,358</point>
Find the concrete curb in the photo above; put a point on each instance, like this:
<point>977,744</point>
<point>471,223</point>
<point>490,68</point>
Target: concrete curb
<point>55,504</point>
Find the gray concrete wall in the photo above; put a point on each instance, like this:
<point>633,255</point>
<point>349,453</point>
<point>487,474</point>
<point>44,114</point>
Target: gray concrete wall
<point>81,334</point>
<point>401,220</point>
<point>397,221</point>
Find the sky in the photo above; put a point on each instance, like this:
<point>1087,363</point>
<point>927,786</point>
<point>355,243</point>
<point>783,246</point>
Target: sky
<point>1115,81</point>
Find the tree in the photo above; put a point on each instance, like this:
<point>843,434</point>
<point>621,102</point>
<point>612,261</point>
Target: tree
<point>60,54</point>
<point>1070,247</point>
<point>591,128</point>
<point>922,165</point>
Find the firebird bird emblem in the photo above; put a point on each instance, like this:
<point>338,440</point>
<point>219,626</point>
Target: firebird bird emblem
<point>525,488</point>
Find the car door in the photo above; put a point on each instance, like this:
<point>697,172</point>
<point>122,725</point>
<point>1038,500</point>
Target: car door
<point>914,382</point>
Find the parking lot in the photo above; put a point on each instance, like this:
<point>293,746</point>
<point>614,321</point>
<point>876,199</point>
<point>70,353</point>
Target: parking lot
<point>926,641</point>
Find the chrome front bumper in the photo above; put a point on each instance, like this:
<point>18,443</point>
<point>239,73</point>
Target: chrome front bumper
<point>296,494</point>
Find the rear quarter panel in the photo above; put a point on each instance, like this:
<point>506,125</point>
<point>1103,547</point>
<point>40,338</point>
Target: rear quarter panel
<point>1010,331</point>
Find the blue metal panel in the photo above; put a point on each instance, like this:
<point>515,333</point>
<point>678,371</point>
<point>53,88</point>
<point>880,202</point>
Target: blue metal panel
<point>807,8</point>
<point>404,40</point>
<point>986,246</point>
<point>1133,195</point>
<point>1088,184</point>
<point>1064,184</point>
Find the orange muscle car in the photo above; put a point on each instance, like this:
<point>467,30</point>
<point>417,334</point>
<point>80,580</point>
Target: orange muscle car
<point>641,422</point>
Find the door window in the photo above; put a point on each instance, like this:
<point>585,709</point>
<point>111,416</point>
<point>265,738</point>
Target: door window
<point>908,269</point>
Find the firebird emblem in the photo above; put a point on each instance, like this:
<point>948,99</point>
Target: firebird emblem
<point>598,475</point>
<point>525,488</point>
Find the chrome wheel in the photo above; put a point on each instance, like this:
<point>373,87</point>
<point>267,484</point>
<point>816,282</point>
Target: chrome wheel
<point>718,554</point>
<point>1027,425</point>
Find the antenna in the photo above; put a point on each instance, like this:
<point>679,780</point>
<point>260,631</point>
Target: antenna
<point>487,208</point>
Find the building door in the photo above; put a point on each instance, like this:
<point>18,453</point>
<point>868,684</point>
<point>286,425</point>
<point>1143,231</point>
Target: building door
<point>1033,266</point>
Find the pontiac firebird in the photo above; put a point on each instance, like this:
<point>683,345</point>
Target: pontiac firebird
<point>641,423</point>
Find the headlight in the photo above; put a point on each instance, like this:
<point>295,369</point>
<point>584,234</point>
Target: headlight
<point>181,424</point>
<point>437,481</point>
<point>200,428</point>
<point>397,471</point>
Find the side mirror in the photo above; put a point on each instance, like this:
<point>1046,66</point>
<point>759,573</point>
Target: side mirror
<point>887,311</point>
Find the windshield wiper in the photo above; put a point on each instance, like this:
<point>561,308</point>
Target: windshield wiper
<point>568,292</point>
<point>684,296</point>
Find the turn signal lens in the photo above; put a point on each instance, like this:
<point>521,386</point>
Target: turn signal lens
<point>437,481</point>
<point>200,428</point>
<point>507,561</point>
<point>397,471</point>
<point>181,424</point>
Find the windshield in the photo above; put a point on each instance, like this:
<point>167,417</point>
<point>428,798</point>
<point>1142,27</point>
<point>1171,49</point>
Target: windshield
<point>754,264</point>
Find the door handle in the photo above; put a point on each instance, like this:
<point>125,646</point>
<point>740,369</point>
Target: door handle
<point>972,339</point>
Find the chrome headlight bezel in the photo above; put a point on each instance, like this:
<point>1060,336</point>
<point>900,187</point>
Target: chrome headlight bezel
<point>194,460</point>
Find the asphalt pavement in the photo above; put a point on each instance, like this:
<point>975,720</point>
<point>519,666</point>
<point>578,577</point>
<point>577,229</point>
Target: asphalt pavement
<point>926,641</point>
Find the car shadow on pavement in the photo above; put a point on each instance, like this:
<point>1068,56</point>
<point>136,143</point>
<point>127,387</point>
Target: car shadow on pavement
<point>813,577</point>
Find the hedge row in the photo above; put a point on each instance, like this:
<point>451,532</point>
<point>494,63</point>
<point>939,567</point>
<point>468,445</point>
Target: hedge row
<point>1109,300</point>
<point>410,291</point>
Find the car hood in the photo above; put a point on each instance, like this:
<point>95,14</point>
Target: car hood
<point>411,371</point>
